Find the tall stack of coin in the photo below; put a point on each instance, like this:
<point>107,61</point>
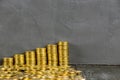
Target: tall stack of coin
<point>60,53</point>
<point>5,62</point>
<point>27,58</point>
<point>38,56</point>
<point>54,55</point>
<point>32,58</point>
<point>65,53</point>
<point>49,55</point>
<point>10,62</point>
<point>21,59</point>
<point>43,58</point>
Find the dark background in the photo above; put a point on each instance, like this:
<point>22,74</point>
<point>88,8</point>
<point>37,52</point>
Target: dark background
<point>92,28</point>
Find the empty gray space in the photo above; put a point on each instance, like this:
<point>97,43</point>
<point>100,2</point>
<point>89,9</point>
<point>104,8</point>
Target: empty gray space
<point>92,28</point>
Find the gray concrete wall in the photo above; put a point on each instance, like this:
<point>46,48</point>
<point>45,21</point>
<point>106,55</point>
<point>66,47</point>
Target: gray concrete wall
<point>91,26</point>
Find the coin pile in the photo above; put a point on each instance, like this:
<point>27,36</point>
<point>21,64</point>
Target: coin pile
<point>50,63</point>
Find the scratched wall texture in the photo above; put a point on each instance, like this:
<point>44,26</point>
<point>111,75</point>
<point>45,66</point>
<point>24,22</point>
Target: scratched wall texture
<point>92,28</point>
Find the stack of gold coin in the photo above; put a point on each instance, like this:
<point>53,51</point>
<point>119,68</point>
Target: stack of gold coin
<point>5,62</point>
<point>27,58</point>
<point>43,58</point>
<point>16,59</point>
<point>49,55</point>
<point>21,59</point>
<point>60,53</point>
<point>32,58</point>
<point>10,62</point>
<point>38,56</point>
<point>54,55</point>
<point>65,53</point>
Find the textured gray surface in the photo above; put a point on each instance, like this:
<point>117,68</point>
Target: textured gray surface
<point>91,27</point>
<point>100,72</point>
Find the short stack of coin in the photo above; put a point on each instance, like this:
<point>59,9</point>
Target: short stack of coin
<point>17,61</point>
<point>5,62</point>
<point>10,62</point>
